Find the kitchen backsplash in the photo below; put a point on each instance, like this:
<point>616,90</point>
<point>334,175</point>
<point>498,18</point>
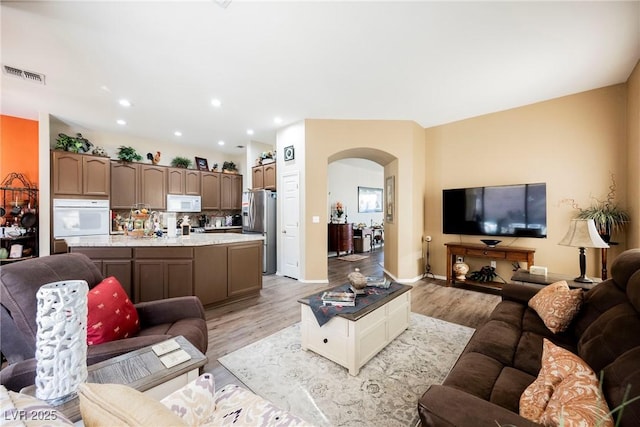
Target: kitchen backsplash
<point>199,219</point>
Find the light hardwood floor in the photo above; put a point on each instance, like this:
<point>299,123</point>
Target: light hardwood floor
<point>238,324</point>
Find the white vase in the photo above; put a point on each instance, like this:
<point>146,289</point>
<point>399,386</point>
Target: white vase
<point>61,340</point>
<point>460,269</point>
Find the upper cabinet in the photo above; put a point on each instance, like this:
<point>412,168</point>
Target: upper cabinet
<point>183,181</point>
<point>80,175</point>
<point>138,184</point>
<point>231,191</point>
<point>264,177</point>
<point>210,187</point>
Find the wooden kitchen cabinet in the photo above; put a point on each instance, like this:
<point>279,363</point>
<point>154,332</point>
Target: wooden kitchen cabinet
<point>80,175</point>
<point>114,262</point>
<point>210,188</point>
<point>153,186</point>
<point>183,181</point>
<point>160,273</point>
<point>231,191</point>
<point>210,273</point>
<point>244,274</point>
<point>125,182</point>
<point>264,177</point>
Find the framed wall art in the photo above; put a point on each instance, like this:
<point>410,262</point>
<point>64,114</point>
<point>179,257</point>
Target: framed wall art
<point>202,164</point>
<point>389,197</point>
<point>369,199</point>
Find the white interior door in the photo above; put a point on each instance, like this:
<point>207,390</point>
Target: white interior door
<point>290,226</point>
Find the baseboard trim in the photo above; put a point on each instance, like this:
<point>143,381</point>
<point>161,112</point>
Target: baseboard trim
<point>395,279</point>
<point>313,281</point>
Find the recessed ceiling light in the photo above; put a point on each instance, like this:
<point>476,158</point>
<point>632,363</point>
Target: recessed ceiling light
<point>121,122</point>
<point>220,142</point>
<point>125,102</point>
<point>177,133</point>
<point>277,120</point>
<point>216,102</point>
<point>249,131</point>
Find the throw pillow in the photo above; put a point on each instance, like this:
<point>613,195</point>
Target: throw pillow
<point>557,305</point>
<point>193,403</point>
<point>566,393</point>
<point>107,405</point>
<point>23,410</point>
<point>111,315</point>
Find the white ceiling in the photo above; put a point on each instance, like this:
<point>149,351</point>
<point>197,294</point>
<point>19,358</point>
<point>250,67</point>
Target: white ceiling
<point>431,62</point>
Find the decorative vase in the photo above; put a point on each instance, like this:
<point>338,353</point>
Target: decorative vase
<point>460,269</point>
<point>61,340</point>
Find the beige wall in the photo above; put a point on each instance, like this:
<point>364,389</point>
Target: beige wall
<point>633,136</point>
<point>571,143</point>
<point>396,145</point>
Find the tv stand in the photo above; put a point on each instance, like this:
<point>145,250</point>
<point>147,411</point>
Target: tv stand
<point>479,250</point>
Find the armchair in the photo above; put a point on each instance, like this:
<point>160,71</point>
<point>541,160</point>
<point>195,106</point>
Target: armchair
<point>19,282</point>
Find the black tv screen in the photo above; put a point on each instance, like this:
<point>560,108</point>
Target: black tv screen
<point>505,210</point>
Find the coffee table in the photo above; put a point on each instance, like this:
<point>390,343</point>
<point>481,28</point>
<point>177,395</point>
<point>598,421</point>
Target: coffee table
<point>352,339</point>
<point>140,369</point>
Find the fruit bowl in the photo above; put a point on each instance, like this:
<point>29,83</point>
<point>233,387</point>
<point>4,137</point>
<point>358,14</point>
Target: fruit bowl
<point>490,242</point>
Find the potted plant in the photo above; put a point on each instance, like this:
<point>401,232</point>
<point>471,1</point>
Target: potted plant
<point>229,167</point>
<point>181,162</point>
<point>128,154</point>
<point>607,215</point>
<point>73,144</point>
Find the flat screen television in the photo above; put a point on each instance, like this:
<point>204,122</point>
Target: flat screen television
<point>504,210</point>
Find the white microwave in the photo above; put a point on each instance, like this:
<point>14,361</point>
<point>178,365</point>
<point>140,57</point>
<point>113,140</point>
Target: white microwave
<point>180,203</point>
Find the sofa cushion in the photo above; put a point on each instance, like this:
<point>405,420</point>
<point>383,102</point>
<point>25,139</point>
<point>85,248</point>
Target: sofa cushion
<point>111,315</point>
<point>475,374</point>
<point>107,405</point>
<point>566,392</point>
<point>193,403</point>
<point>509,386</point>
<point>496,339</point>
<point>19,409</point>
<point>557,305</point>
<point>620,381</point>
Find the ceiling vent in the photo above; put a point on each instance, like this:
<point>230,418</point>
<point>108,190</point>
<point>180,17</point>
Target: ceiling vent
<point>24,75</point>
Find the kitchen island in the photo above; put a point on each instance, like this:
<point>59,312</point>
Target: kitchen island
<point>217,268</point>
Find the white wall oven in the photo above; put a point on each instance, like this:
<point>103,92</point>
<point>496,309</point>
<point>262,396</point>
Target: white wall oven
<point>80,217</point>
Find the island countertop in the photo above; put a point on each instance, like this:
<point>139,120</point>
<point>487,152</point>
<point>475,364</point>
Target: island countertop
<point>194,239</point>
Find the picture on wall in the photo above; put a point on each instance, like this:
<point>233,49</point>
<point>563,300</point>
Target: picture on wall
<point>390,199</point>
<point>202,164</point>
<point>369,199</point>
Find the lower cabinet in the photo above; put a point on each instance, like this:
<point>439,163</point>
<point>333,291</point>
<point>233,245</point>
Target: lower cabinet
<point>160,273</point>
<point>244,274</point>
<point>213,273</point>
<point>114,262</point>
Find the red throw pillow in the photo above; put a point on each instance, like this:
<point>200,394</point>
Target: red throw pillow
<point>111,315</point>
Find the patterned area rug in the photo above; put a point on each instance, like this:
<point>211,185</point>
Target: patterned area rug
<point>385,392</point>
<point>352,257</point>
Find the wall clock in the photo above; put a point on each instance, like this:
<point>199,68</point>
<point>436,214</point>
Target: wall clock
<point>289,153</point>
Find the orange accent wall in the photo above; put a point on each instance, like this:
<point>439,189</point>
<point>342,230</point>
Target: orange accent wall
<point>19,148</point>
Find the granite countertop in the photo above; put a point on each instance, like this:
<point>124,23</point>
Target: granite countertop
<point>194,239</point>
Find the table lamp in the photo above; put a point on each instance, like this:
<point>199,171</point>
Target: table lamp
<point>583,234</point>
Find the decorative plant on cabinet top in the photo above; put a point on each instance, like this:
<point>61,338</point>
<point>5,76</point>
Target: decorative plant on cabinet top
<point>128,154</point>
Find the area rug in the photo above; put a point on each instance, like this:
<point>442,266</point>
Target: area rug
<point>384,393</point>
<point>352,257</point>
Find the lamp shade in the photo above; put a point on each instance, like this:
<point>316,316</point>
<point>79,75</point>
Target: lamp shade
<point>583,234</point>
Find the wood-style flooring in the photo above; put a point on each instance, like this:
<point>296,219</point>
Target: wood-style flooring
<point>238,324</point>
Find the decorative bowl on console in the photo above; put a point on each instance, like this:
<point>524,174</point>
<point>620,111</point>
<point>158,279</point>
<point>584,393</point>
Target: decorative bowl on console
<point>490,242</point>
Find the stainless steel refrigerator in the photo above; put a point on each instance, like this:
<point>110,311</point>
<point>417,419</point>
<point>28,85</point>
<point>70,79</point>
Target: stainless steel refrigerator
<point>259,216</point>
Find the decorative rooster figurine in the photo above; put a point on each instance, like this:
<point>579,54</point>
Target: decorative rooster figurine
<point>154,159</point>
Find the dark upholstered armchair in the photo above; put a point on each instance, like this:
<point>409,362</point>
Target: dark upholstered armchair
<point>19,282</point>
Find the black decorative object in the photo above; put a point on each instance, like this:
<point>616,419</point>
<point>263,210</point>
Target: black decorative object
<point>289,153</point>
<point>490,242</point>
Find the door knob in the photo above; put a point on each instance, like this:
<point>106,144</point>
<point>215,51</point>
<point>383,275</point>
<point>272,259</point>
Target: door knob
<point>284,231</point>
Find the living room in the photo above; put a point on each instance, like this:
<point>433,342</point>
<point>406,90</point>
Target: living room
<point>576,139</point>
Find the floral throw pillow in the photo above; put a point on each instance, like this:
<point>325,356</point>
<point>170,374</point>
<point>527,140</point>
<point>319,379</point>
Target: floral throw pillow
<point>557,305</point>
<point>566,393</point>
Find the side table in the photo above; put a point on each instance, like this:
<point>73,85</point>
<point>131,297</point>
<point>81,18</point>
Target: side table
<point>140,369</point>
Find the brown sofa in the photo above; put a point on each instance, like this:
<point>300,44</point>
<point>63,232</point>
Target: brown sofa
<point>504,355</point>
<point>19,282</point>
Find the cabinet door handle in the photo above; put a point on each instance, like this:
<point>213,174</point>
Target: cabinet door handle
<point>284,231</point>
<point>325,340</point>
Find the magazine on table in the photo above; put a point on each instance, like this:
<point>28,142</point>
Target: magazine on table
<point>378,282</point>
<point>339,298</point>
